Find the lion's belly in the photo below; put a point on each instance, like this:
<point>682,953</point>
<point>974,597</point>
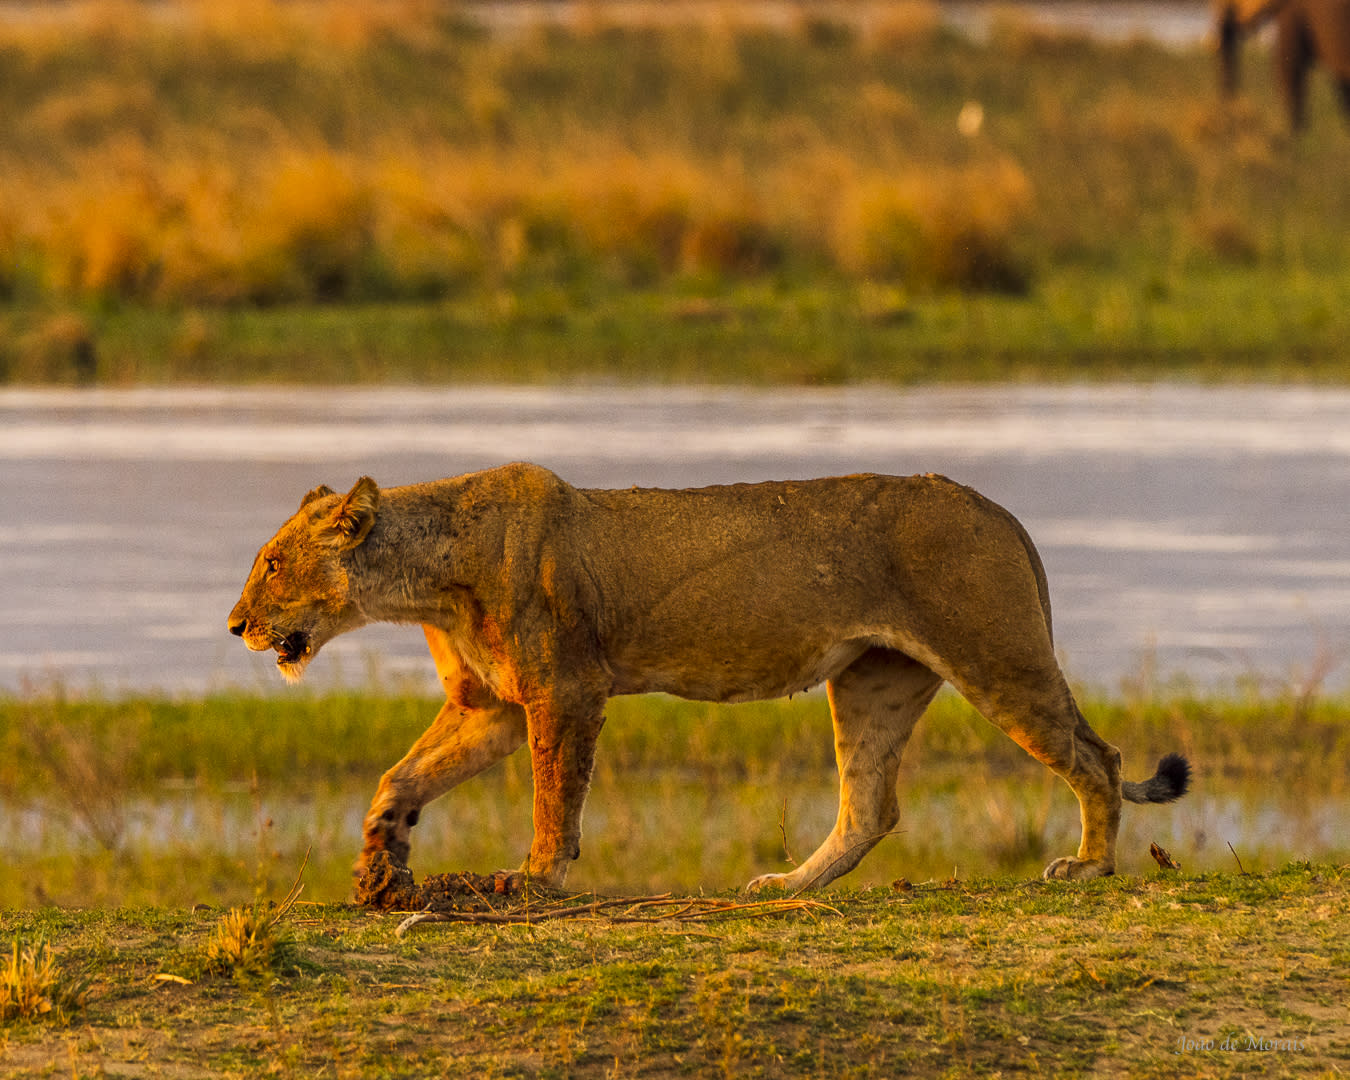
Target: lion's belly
<point>730,676</point>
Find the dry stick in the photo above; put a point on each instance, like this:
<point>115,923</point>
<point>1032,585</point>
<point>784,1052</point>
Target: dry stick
<point>1241,869</point>
<point>717,908</point>
<point>681,905</point>
<point>687,909</point>
<point>766,907</point>
<point>782,829</point>
<point>495,917</point>
<point>293,894</point>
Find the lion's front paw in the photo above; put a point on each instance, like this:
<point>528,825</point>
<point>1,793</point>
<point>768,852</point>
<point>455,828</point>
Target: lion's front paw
<point>387,830</point>
<point>1073,869</point>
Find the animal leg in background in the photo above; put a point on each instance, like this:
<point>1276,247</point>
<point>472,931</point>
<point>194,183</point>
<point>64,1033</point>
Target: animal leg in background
<point>1295,54</point>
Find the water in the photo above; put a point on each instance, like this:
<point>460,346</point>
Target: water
<point>1185,529</point>
<point>1179,25</point>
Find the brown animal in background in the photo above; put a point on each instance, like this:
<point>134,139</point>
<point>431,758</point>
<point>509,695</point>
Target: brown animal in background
<point>1306,32</point>
<point>540,601</point>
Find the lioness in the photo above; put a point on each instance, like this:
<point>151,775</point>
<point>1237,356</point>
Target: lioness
<point>540,601</point>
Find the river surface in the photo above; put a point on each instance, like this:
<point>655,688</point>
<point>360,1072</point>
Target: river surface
<point>1175,23</point>
<point>1182,23</point>
<point>1194,530</point>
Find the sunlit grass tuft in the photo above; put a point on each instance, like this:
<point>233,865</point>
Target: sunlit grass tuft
<point>251,941</point>
<point>955,229</point>
<point>34,987</point>
<point>246,942</point>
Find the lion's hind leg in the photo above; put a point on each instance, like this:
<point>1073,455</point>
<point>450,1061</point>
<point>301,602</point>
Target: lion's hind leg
<point>875,703</point>
<point>1037,711</point>
<point>1092,769</point>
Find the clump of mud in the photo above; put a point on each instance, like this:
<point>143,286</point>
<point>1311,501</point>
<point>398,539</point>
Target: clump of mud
<point>388,885</point>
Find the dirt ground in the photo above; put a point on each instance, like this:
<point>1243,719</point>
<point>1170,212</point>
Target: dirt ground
<point>389,885</point>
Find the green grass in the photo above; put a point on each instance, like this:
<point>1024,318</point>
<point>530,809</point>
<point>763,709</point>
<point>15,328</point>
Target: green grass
<point>1080,325</point>
<point>949,972</point>
<point>156,801</point>
<point>1123,977</point>
<point>143,744</point>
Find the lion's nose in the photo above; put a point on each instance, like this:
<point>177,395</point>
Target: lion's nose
<point>238,625</point>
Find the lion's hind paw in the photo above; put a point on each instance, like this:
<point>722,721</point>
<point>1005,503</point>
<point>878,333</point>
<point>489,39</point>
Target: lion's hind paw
<point>1070,868</point>
<point>772,882</point>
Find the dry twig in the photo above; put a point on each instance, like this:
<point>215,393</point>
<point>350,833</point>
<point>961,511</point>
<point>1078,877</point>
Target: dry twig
<point>634,910</point>
<point>1163,857</point>
<point>782,831</point>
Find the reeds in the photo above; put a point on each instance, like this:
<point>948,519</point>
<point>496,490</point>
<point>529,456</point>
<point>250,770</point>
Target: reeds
<point>319,226</point>
<point>685,795</point>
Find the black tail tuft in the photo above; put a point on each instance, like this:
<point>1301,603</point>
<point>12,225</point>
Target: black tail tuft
<point>1169,783</point>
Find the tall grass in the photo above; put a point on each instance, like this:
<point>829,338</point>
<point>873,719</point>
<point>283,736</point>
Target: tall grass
<point>328,151</point>
<point>93,746</point>
<point>220,799</point>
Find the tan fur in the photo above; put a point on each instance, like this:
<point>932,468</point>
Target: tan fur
<point>540,601</point>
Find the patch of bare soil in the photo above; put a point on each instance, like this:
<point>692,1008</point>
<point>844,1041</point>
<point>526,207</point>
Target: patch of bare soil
<point>389,885</point>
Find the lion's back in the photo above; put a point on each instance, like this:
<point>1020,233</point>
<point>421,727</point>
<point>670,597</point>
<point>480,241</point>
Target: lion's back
<point>790,550</point>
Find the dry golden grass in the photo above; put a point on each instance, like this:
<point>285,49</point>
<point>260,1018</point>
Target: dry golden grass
<point>250,941</point>
<point>954,228</point>
<point>33,986</point>
<point>126,185</point>
<point>323,152</point>
<point>319,225</point>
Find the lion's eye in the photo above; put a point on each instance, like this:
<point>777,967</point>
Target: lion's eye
<point>272,563</point>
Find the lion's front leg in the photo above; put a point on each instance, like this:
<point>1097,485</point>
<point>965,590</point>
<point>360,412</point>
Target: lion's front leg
<point>460,743</point>
<point>562,754</point>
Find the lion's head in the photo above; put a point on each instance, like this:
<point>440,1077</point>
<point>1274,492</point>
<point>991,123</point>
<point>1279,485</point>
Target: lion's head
<point>297,597</point>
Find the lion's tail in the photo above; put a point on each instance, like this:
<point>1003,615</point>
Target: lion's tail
<point>1167,784</point>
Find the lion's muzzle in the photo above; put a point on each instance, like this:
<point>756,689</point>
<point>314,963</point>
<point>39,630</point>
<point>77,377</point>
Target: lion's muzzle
<point>292,648</point>
<point>256,637</point>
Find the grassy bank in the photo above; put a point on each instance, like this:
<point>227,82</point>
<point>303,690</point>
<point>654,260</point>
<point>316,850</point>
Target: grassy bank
<point>1080,326</point>
<point>332,193</point>
<point>1220,975</point>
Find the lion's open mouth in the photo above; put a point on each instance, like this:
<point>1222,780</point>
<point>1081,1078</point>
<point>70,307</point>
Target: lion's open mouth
<point>292,648</point>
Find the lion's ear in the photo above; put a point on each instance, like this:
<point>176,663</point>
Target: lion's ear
<point>318,493</point>
<point>353,517</point>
